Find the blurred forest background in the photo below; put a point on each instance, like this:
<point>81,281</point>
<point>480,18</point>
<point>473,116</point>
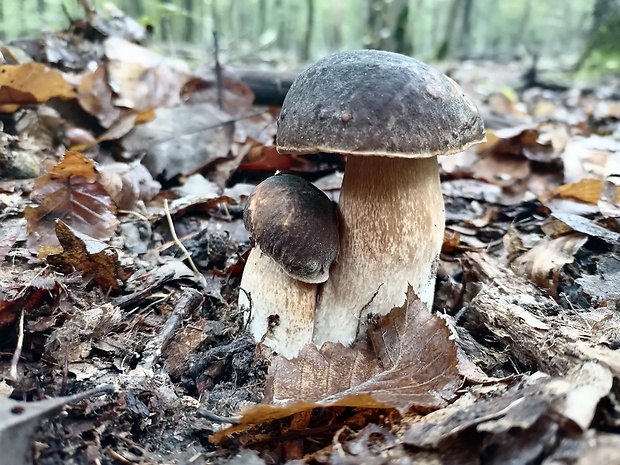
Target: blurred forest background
<point>573,35</point>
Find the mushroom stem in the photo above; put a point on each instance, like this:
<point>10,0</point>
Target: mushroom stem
<point>391,231</point>
<point>281,308</point>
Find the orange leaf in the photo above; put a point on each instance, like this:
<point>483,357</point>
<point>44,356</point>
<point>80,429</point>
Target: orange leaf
<point>31,83</point>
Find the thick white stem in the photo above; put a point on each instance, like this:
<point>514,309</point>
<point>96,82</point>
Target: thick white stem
<point>392,222</point>
<point>281,308</point>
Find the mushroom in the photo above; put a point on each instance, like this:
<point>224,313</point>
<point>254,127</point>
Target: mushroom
<point>391,115</point>
<point>295,227</point>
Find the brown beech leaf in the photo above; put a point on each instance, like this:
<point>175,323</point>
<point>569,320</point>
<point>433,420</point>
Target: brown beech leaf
<point>95,96</point>
<point>90,256</point>
<point>72,192</point>
<point>413,366</point>
<point>31,83</point>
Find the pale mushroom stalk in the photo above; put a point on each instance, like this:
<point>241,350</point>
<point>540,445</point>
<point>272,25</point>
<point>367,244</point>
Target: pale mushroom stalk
<point>273,292</point>
<point>392,223</point>
<point>295,227</point>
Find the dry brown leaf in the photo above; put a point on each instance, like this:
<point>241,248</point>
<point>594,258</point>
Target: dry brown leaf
<point>31,83</point>
<point>560,223</point>
<point>141,79</point>
<point>237,98</point>
<point>182,140</point>
<point>88,255</point>
<point>127,183</point>
<point>95,96</point>
<point>543,263</point>
<point>413,367</point>
<point>72,191</point>
<point>502,169</point>
<point>587,190</point>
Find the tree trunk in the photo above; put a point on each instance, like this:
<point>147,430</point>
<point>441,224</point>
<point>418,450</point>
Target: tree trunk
<point>189,30</point>
<point>444,49</point>
<point>305,50</point>
<point>336,25</point>
<point>262,17</point>
<point>402,37</point>
<point>465,33</point>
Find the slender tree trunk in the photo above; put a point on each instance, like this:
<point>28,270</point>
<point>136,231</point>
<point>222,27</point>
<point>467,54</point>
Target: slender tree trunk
<point>189,29</point>
<point>465,36</point>
<point>402,36</point>
<point>262,16</point>
<point>336,25</point>
<point>281,25</point>
<point>305,50</point>
<point>445,48</point>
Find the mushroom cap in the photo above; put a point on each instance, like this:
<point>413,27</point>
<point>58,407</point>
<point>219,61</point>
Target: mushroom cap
<point>295,224</point>
<point>371,102</point>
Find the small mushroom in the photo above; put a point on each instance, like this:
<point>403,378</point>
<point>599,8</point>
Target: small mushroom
<point>392,115</point>
<point>295,227</point>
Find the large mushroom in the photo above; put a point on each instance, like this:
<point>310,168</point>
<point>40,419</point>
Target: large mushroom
<point>295,228</point>
<point>392,115</point>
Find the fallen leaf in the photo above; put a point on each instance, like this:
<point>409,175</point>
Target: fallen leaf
<point>182,140</point>
<point>413,367</point>
<point>543,262</point>
<point>40,291</point>
<point>19,421</point>
<point>578,224</point>
<point>587,191</point>
<point>128,183</point>
<point>72,192</point>
<point>31,83</point>
<point>96,97</point>
<point>140,78</point>
<point>88,255</point>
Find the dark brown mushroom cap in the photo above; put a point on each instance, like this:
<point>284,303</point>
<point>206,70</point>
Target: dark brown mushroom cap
<point>295,224</point>
<point>371,102</point>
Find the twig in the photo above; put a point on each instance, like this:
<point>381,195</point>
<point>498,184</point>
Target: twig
<point>189,301</point>
<point>218,353</point>
<point>18,348</point>
<point>218,69</point>
<point>209,415</point>
<point>176,240</point>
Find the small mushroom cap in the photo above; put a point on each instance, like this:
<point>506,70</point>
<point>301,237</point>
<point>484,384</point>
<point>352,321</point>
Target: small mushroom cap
<point>295,224</point>
<point>371,102</point>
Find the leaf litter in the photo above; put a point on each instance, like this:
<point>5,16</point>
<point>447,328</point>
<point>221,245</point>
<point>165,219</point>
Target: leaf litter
<point>122,246</point>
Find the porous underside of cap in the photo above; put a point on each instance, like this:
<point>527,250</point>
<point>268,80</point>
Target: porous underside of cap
<point>370,102</point>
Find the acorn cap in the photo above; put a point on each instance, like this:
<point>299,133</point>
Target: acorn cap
<point>295,224</point>
<point>371,102</point>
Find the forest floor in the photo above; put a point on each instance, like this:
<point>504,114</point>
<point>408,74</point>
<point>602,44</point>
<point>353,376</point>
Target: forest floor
<point>146,162</point>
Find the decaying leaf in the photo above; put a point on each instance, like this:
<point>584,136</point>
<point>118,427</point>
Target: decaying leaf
<point>19,420</point>
<point>73,341</point>
<point>543,262</point>
<point>96,97</point>
<point>143,80</point>
<point>25,297</point>
<point>587,191</point>
<point>571,222</point>
<point>413,366</point>
<point>88,255</point>
<point>541,405</point>
<point>31,83</point>
<point>72,192</point>
<point>182,140</point>
<point>127,183</point>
